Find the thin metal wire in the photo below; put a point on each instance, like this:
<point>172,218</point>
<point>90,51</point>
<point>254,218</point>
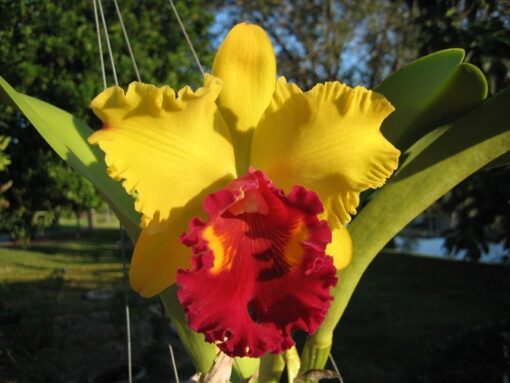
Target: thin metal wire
<point>174,365</point>
<point>126,38</point>
<point>126,301</point>
<point>335,367</point>
<point>167,339</point>
<point>201,69</point>
<point>99,44</point>
<point>110,53</point>
<point>122,235</point>
<point>114,72</point>
<point>188,40</point>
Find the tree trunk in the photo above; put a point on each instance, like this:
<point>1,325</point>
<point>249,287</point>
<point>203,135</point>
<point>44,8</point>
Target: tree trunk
<point>77,212</point>
<point>90,218</point>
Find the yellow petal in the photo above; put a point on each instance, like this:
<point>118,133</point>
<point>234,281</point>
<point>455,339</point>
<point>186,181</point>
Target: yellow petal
<point>246,63</point>
<point>340,247</point>
<point>328,140</point>
<point>171,150</point>
<point>158,256</point>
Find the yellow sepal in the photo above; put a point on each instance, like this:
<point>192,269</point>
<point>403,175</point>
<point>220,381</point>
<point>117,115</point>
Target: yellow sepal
<point>157,256</point>
<point>246,63</point>
<point>168,149</point>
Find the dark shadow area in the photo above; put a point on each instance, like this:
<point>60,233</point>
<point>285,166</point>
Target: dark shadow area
<point>418,319</point>
<point>62,315</point>
<point>52,331</point>
<point>411,320</point>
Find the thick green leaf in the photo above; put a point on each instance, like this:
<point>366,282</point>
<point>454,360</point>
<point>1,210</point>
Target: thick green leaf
<point>271,368</point>
<point>67,135</point>
<point>432,91</point>
<point>434,165</point>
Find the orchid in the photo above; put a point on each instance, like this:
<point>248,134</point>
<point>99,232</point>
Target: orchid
<point>243,189</point>
<point>262,262</point>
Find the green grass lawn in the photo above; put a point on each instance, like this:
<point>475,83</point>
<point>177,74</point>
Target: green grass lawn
<point>50,331</point>
<point>55,274</point>
<point>83,261</point>
<point>411,320</point>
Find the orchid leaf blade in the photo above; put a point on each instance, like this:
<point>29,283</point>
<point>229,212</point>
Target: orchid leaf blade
<point>67,135</point>
<point>431,91</point>
<point>451,154</point>
<point>434,165</point>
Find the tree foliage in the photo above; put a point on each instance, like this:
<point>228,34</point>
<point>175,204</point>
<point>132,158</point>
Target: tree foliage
<point>356,41</point>
<point>361,42</point>
<point>479,26</point>
<point>49,50</point>
<point>4,161</point>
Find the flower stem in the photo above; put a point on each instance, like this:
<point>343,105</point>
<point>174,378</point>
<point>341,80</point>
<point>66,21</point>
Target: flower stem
<point>291,358</point>
<point>244,368</point>
<point>271,368</point>
<point>314,355</point>
<point>317,347</point>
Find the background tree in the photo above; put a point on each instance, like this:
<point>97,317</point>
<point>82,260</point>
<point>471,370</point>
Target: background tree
<point>4,161</point>
<point>359,42</point>
<point>480,27</point>
<point>75,193</point>
<point>49,50</point>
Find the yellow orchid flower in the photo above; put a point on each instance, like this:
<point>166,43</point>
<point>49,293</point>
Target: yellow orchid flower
<point>258,265</point>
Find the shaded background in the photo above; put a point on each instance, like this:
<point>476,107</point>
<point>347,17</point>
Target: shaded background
<point>412,319</point>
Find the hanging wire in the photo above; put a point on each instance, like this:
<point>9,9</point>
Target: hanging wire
<point>122,234</point>
<point>174,365</point>
<point>110,53</point>
<point>133,60</point>
<point>335,367</point>
<point>99,44</point>
<point>183,29</point>
<point>126,301</point>
<point>166,333</point>
<point>126,38</point>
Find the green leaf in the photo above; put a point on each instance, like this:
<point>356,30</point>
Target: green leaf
<point>271,368</point>
<point>67,135</point>
<point>431,91</point>
<point>433,166</point>
<point>244,368</point>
